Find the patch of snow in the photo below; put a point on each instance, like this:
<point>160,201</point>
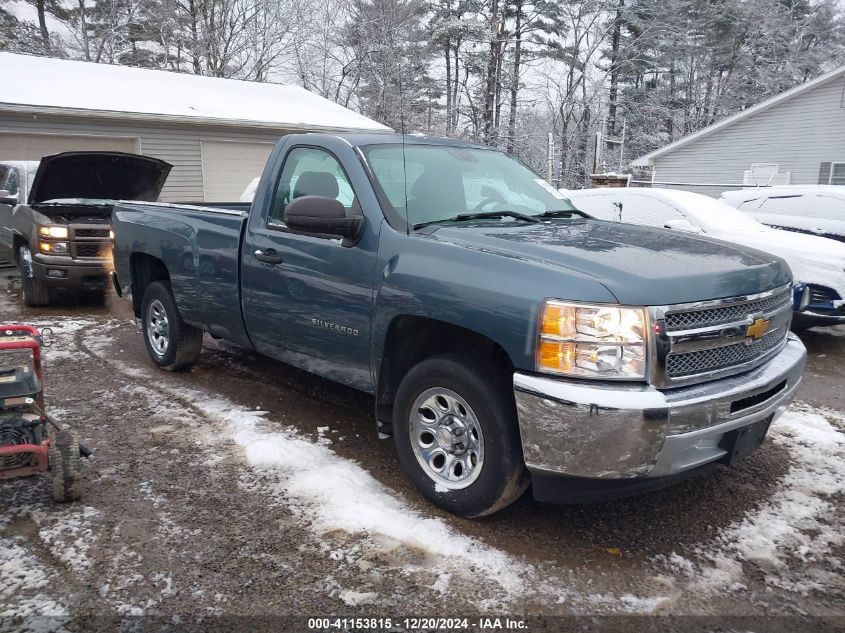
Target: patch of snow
<point>19,571</point>
<point>70,537</point>
<point>356,598</point>
<point>797,522</point>
<point>441,585</point>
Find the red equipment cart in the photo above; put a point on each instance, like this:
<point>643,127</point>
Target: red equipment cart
<point>26,448</point>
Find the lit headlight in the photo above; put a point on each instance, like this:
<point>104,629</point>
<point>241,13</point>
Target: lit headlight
<point>57,232</point>
<point>592,341</point>
<point>59,248</point>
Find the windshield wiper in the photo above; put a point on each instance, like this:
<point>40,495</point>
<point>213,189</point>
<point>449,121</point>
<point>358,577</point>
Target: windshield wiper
<point>561,213</point>
<point>463,217</point>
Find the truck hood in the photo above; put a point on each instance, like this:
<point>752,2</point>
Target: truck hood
<point>639,265</point>
<point>103,175</point>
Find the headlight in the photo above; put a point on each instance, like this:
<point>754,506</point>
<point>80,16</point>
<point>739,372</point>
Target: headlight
<point>592,341</point>
<point>59,248</point>
<point>58,232</point>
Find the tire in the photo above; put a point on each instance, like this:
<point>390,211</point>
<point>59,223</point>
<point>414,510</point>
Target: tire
<point>35,293</point>
<point>171,343</point>
<point>64,464</point>
<point>479,405</point>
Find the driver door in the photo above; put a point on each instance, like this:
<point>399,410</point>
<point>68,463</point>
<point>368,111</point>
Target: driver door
<point>307,300</point>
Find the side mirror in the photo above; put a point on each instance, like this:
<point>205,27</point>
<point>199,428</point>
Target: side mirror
<point>7,198</point>
<point>682,225</point>
<point>323,217</point>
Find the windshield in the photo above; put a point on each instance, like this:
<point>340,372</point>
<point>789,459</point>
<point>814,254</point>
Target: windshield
<point>444,182</point>
<point>714,215</point>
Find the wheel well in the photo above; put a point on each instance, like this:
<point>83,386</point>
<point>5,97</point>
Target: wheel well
<point>411,339</point>
<point>145,269</point>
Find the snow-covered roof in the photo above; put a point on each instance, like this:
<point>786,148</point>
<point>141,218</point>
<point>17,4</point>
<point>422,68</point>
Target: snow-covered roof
<point>43,85</point>
<point>648,159</point>
<point>753,193</point>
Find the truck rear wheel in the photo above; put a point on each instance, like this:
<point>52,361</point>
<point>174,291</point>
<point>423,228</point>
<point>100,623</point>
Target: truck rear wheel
<point>171,343</point>
<point>35,294</point>
<point>455,429</point>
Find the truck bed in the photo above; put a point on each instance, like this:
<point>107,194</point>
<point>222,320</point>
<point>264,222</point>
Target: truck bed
<point>199,245</point>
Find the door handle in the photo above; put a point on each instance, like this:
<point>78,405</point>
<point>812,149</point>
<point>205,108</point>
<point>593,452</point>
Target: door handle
<point>269,256</point>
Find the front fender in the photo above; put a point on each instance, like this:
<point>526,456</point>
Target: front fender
<point>494,296</point>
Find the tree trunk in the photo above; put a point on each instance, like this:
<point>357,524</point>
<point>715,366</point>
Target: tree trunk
<point>517,53</point>
<point>449,104</point>
<point>195,57</point>
<point>42,24</point>
<point>613,92</point>
<point>492,72</point>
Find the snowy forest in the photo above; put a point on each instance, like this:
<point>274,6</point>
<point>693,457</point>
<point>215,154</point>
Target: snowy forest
<point>510,73</point>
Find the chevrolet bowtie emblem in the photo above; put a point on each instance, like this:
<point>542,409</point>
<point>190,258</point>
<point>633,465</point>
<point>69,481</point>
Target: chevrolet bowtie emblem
<point>757,329</point>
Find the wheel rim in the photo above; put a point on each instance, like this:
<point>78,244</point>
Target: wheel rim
<point>158,328</point>
<point>446,438</point>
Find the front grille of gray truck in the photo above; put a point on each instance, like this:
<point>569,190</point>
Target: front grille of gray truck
<point>90,242</point>
<point>712,339</point>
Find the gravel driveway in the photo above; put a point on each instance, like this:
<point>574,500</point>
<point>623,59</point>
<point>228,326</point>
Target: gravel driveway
<point>245,492</point>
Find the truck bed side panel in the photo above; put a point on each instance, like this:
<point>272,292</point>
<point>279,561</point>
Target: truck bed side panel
<point>199,248</point>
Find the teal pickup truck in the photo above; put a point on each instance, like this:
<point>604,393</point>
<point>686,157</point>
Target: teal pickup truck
<point>508,339</point>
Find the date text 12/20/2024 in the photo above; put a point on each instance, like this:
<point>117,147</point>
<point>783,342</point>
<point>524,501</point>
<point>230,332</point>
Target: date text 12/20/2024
<point>416,624</point>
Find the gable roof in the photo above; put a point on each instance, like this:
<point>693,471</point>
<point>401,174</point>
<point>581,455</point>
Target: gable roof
<point>43,85</point>
<point>648,159</point>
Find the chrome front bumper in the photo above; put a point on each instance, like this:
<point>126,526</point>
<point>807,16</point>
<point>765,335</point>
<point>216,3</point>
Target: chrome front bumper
<point>613,431</point>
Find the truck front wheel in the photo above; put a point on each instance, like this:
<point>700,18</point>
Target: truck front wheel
<point>171,343</point>
<point>35,294</point>
<point>455,428</point>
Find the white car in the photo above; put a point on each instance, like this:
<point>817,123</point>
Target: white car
<point>814,209</point>
<point>249,193</point>
<point>817,263</point>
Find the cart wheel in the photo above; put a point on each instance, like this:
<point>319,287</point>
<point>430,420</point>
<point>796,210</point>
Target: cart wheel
<point>64,463</point>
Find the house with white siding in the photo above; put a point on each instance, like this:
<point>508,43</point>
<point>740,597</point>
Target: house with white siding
<point>217,133</point>
<point>796,137</point>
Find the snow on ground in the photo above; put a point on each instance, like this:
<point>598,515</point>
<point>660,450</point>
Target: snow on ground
<point>797,522</point>
<point>25,587</point>
<point>332,494</point>
<point>70,536</point>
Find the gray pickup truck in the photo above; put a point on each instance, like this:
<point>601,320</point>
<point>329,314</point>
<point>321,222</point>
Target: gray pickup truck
<point>509,339</point>
<point>55,215</point>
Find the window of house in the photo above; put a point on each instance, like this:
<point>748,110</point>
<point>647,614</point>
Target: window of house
<point>832,173</point>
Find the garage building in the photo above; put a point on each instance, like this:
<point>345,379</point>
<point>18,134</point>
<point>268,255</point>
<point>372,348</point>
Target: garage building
<point>217,133</point>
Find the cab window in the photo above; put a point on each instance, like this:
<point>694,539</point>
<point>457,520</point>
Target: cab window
<point>310,171</point>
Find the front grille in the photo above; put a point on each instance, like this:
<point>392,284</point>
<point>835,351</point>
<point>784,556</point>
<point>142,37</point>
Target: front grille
<point>714,359</point>
<point>676,321</point>
<point>820,294</point>
<point>101,233</point>
<point>93,249</point>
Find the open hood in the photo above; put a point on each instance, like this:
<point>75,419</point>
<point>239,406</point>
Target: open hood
<point>98,175</point>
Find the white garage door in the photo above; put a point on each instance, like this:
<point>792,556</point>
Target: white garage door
<point>34,146</point>
<point>229,166</point>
